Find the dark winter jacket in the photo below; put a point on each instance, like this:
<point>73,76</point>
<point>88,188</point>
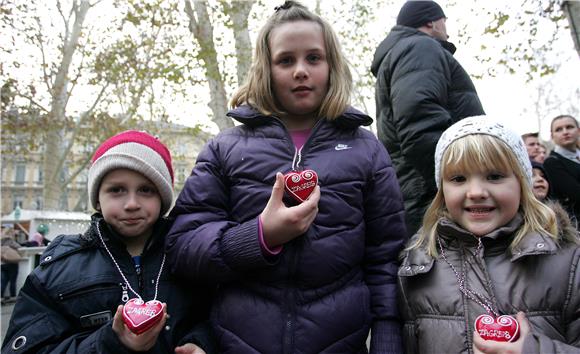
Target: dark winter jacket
<point>68,302</point>
<point>565,177</point>
<point>540,278</point>
<point>420,91</point>
<point>328,286</point>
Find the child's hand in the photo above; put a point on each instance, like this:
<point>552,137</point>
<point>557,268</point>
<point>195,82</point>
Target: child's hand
<point>481,345</point>
<point>281,224</point>
<point>189,348</point>
<point>132,341</point>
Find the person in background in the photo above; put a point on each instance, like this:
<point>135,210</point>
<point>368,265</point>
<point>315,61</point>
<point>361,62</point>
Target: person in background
<point>542,154</point>
<point>295,277</point>
<point>90,290</point>
<point>9,266</point>
<point>489,247</point>
<point>540,183</point>
<point>420,90</point>
<point>563,165</point>
<point>532,142</point>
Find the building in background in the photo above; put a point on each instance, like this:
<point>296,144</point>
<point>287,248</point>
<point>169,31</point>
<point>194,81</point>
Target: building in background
<point>22,176</point>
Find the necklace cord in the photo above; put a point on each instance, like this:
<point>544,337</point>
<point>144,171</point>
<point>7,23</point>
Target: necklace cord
<point>461,281</point>
<point>121,272</point>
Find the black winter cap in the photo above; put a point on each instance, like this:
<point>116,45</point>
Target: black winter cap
<point>418,13</point>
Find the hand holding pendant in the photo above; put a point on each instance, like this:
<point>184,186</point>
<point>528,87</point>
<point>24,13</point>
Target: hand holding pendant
<point>280,223</point>
<point>481,345</point>
<point>137,342</point>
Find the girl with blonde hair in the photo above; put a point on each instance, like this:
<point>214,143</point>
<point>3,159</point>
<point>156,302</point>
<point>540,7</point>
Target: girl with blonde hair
<point>491,270</point>
<point>311,275</point>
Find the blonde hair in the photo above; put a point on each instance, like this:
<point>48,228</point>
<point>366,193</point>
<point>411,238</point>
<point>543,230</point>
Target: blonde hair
<point>257,90</point>
<point>477,153</point>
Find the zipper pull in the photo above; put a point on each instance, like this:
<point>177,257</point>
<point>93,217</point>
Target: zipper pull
<point>125,296</point>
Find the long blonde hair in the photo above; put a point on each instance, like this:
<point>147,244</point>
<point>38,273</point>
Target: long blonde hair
<point>477,153</point>
<point>257,90</point>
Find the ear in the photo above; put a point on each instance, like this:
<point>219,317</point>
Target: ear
<point>429,24</point>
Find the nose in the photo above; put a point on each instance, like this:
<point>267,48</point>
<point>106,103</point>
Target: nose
<point>300,71</point>
<point>476,190</point>
<point>132,202</point>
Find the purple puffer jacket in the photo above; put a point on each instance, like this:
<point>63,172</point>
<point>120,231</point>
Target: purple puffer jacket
<point>326,288</point>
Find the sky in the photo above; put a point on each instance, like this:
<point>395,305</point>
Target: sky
<point>506,96</point>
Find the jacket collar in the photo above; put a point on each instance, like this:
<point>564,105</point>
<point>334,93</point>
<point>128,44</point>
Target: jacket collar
<point>351,118</point>
<point>417,261</point>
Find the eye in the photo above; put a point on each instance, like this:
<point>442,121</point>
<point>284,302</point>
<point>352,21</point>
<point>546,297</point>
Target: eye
<point>457,179</point>
<point>115,190</point>
<point>495,176</point>
<point>313,58</point>
<point>284,61</point>
<point>147,190</point>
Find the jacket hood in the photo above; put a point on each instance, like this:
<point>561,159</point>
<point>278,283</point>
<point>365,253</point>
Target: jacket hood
<point>351,118</point>
<point>397,34</point>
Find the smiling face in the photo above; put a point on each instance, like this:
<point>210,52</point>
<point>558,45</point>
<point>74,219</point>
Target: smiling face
<point>539,184</point>
<point>300,71</point>
<point>481,201</point>
<point>130,203</point>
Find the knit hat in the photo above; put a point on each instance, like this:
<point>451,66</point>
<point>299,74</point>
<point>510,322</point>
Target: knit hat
<point>417,13</point>
<point>487,126</point>
<point>137,151</point>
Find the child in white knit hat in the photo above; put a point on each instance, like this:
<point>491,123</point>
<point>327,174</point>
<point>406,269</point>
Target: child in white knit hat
<point>108,290</point>
<point>490,270</point>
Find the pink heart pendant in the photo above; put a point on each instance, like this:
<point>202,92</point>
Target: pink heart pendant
<point>501,329</point>
<point>300,184</point>
<point>139,316</point>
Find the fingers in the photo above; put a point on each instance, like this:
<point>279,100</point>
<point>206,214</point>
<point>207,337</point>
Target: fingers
<point>524,324</point>
<point>277,189</point>
<point>118,320</point>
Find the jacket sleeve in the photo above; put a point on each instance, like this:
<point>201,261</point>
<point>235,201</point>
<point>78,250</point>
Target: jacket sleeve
<point>419,93</point>
<point>385,237</point>
<point>38,326</point>
<point>537,343</point>
<point>204,242</point>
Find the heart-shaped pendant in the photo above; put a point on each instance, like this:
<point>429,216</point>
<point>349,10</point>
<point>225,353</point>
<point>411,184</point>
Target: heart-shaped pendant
<point>300,184</point>
<point>139,316</point>
<point>501,329</point>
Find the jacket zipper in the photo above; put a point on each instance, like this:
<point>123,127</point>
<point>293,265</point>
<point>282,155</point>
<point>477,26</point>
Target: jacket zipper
<point>91,289</point>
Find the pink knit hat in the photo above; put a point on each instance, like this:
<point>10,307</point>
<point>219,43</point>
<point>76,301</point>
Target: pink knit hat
<point>137,151</point>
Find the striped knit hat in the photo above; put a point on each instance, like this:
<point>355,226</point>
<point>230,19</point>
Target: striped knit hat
<point>137,151</point>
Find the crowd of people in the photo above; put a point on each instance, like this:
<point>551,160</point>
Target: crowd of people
<point>427,237</point>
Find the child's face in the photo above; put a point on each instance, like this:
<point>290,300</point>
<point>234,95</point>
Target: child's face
<point>539,184</point>
<point>299,68</point>
<point>481,201</point>
<point>129,202</point>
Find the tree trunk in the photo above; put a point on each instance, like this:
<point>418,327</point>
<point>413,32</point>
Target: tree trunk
<point>202,29</point>
<point>54,138</point>
<point>238,13</point>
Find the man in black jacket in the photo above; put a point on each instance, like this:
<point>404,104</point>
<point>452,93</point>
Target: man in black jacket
<point>421,90</point>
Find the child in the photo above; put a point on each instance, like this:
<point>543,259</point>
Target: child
<point>489,247</point>
<point>73,301</point>
<point>308,277</point>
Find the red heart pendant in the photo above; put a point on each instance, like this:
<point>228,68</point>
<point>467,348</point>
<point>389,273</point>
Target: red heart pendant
<point>139,316</point>
<point>501,329</point>
<point>300,184</point>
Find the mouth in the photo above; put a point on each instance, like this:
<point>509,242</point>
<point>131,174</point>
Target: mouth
<point>131,221</point>
<point>479,210</point>
<point>301,89</point>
